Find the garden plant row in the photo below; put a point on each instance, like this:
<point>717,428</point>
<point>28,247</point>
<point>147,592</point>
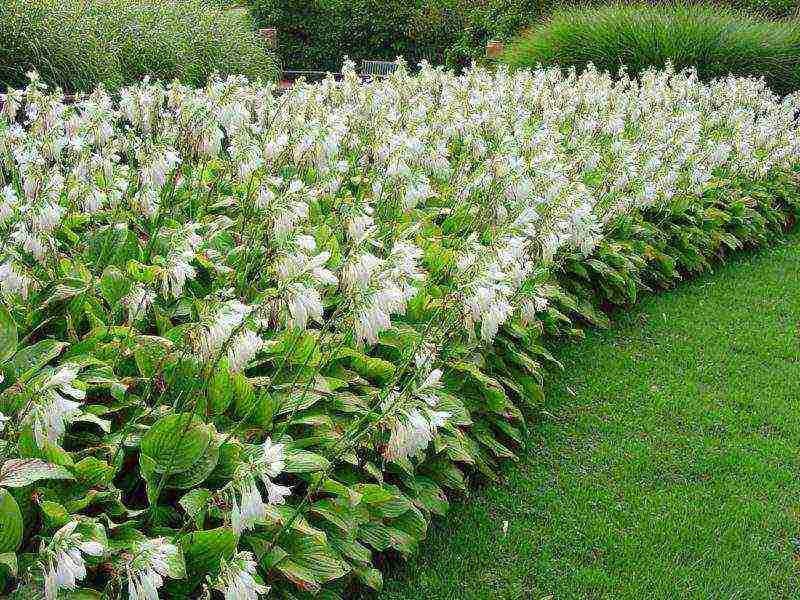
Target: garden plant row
<point>247,341</point>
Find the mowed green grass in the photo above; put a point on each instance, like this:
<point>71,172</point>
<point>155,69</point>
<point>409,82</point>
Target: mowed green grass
<point>665,463</point>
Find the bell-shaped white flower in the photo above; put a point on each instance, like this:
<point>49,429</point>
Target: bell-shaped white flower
<point>236,578</point>
<point>65,565</point>
<point>147,566</point>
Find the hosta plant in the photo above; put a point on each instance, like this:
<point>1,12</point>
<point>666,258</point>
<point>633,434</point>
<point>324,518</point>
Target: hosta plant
<point>249,340</point>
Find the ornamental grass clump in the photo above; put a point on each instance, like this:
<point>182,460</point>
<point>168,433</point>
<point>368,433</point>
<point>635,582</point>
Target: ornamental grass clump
<point>79,44</point>
<point>247,341</point>
<point>716,41</point>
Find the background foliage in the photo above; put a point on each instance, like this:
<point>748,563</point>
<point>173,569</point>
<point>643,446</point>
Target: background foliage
<point>79,44</point>
<point>315,34</point>
<point>717,42</point>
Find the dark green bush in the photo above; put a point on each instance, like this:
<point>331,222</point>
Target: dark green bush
<point>78,44</point>
<point>716,41</point>
<point>316,34</point>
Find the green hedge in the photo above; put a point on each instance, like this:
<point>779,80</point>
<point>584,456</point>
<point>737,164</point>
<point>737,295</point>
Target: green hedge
<point>79,44</point>
<point>717,42</point>
<point>316,34</point>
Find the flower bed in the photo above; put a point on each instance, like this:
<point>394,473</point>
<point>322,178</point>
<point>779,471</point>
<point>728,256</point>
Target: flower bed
<point>247,341</point>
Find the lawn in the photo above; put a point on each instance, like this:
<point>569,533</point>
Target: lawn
<point>663,465</point>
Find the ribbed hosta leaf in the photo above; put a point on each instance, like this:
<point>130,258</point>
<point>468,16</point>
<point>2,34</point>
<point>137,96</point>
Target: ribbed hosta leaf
<point>9,561</point>
<point>30,359</point>
<point>19,472</point>
<point>113,285</point>
<point>176,442</point>
<point>198,472</point>
<point>151,352</point>
<point>93,472</point>
<point>306,562</point>
<point>300,461</point>
<point>8,334</point>
<point>220,392</point>
<point>204,549</point>
<point>11,527</point>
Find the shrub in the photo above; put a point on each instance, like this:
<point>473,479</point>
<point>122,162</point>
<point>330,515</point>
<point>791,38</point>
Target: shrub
<point>316,34</point>
<point>715,41</point>
<point>251,341</point>
<point>78,44</point>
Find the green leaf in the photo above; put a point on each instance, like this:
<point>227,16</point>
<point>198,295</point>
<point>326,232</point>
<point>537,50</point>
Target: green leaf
<point>374,369</point>
<point>371,577</point>
<point>488,389</point>
<point>9,560</point>
<point>83,594</point>
<point>93,472</point>
<point>176,442</point>
<point>113,285</point>
<point>32,358</point>
<point>11,526</point>
<point>176,565</point>
<point>55,513</point>
<point>204,549</point>
<point>8,334</point>
<point>198,472</point>
<point>220,392</point>
<point>19,472</point>
<point>300,461</point>
<point>150,354</point>
<point>195,504</point>
<point>309,563</point>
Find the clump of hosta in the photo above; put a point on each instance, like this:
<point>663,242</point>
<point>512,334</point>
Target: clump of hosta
<point>260,333</point>
<point>64,561</point>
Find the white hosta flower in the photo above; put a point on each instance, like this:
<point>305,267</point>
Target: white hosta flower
<point>65,564</point>
<point>304,304</point>
<point>359,271</point>
<point>251,508</point>
<point>489,306</point>
<point>147,567</point>
<point>531,306</point>
<point>287,218</point>
<point>46,217</point>
<point>294,265</point>
<point>161,164</point>
<point>8,204</point>
<point>177,271</point>
<point>413,432</point>
<point>242,349</point>
<point>235,579</point>
<point>138,302</point>
<point>360,228</point>
<point>271,459</point>
<point>13,282</point>
<point>277,494</point>
<point>31,243</point>
<point>146,201</point>
<point>265,463</point>
<point>222,325</point>
<point>370,321</point>
<point>3,419</point>
<point>54,410</point>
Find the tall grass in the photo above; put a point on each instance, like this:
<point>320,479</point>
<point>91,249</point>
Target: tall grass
<point>79,44</point>
<point>715,40</point>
